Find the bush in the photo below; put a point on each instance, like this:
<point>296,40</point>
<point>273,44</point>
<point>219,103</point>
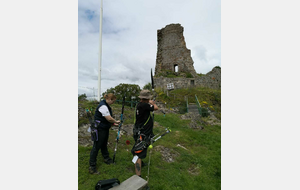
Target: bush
<point>189,75</point>
<point>204,112</point>
<point>182,110</point>
<point>82,97</point>
<point>148,87</point>
<point>127,90</point>
<point>83,121</point>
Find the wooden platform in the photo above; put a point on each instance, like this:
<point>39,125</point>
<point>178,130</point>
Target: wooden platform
<point>133,183</point>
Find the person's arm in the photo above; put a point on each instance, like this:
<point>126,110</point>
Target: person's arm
<point>154,105</point>
<point>104,111</point>
<point>111,119</point>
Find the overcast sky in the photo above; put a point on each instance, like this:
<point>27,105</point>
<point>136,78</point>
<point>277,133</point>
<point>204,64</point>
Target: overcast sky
<point>129,38</point>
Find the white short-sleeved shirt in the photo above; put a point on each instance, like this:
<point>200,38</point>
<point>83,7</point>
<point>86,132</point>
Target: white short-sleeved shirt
<point>104,111</point>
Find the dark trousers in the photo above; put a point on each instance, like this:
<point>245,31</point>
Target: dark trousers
<point>103,135</point>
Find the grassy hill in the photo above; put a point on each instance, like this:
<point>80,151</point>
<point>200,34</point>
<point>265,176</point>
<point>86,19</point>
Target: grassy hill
<point>175,99</point>
<point>183,159</point>
<point>209,98</point>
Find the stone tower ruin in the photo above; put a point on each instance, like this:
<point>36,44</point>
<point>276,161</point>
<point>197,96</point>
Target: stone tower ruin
<point>172,53</point>
<point>174,59</point>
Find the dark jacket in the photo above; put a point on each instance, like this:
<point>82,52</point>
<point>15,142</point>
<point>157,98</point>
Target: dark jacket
<point>104,124</point>
<point>143,118</point>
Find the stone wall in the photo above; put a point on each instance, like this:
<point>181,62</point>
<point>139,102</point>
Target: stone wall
<point>211,80</point>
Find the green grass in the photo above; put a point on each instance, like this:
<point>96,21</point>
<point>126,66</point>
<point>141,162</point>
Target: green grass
<point>199,167</point>
<point>211,96</point>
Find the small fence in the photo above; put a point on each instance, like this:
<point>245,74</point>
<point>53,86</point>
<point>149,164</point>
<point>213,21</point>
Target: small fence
<point>198,105</point>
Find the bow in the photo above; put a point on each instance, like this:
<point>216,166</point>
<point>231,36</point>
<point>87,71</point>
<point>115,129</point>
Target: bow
<point>121,122</point>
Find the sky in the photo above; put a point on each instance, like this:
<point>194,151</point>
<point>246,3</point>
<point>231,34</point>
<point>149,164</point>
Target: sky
<point>129,38</point>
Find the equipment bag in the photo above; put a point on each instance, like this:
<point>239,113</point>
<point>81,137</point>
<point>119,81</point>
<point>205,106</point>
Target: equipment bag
<point>94,134</point>
<point>107,184</point>
<point>141,143</point>
<point>94,130</point>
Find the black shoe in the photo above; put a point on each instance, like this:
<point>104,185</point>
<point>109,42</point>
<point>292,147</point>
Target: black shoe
<point>93,170</point>
<point>108,161</point>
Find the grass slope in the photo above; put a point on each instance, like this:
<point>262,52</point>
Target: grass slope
<point>199,167</point>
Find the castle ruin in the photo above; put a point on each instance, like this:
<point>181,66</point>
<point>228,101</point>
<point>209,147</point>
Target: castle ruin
<point>174,59</point>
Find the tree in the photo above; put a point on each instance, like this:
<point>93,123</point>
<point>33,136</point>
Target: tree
<point>147,86</point>
<point>82,97</point>
<point>127,90</point>
<point>110,90</point>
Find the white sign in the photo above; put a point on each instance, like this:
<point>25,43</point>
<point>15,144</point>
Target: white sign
<point>135,159</point>
<point>170,86</point>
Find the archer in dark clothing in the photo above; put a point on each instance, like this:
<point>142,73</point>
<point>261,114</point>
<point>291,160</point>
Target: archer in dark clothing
<point>103,119</point>
<point>144,117</point>
<point>143,125</point>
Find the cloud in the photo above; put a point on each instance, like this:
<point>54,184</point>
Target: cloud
<point>201,53</point>
<point>129,38</point>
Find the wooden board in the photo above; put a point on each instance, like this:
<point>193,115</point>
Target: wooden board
<point>133,183</point>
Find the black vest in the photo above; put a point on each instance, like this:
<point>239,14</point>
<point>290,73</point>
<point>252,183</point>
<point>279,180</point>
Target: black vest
<point>104,124</point>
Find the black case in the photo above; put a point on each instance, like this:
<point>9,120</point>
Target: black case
<point>107,184</point>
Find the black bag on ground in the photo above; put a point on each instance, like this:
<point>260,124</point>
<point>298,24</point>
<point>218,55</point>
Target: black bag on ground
<point>107,184</point>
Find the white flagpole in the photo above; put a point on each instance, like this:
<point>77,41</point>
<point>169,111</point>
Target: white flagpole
<point>100,51</point>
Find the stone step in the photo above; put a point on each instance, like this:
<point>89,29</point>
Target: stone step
<point>193,108</point>
<point>133,183</point>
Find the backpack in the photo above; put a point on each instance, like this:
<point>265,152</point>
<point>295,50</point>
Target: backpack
<point>107,184</point>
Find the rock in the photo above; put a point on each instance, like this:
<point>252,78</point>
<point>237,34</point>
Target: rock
<point>191,115</point>
<point>195,125</point>
<point>82,131</point>
<point>195,120</point>
<point>125,129</point>
<point>128,129</point>
<point>84,137</point>
<point>194,169</point>
<point>167,154</point>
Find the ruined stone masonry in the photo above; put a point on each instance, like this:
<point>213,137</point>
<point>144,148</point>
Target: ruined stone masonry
<point>174,58</point>
<point>172,51</point>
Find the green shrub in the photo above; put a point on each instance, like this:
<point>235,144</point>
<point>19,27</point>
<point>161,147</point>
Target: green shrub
<point>204,112</point>
<point>83,121</point>
<point>182,110</point>
<point>82,97</point>
<point>189,75</point>
<point>171,76</point>
<point>148,86</point>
